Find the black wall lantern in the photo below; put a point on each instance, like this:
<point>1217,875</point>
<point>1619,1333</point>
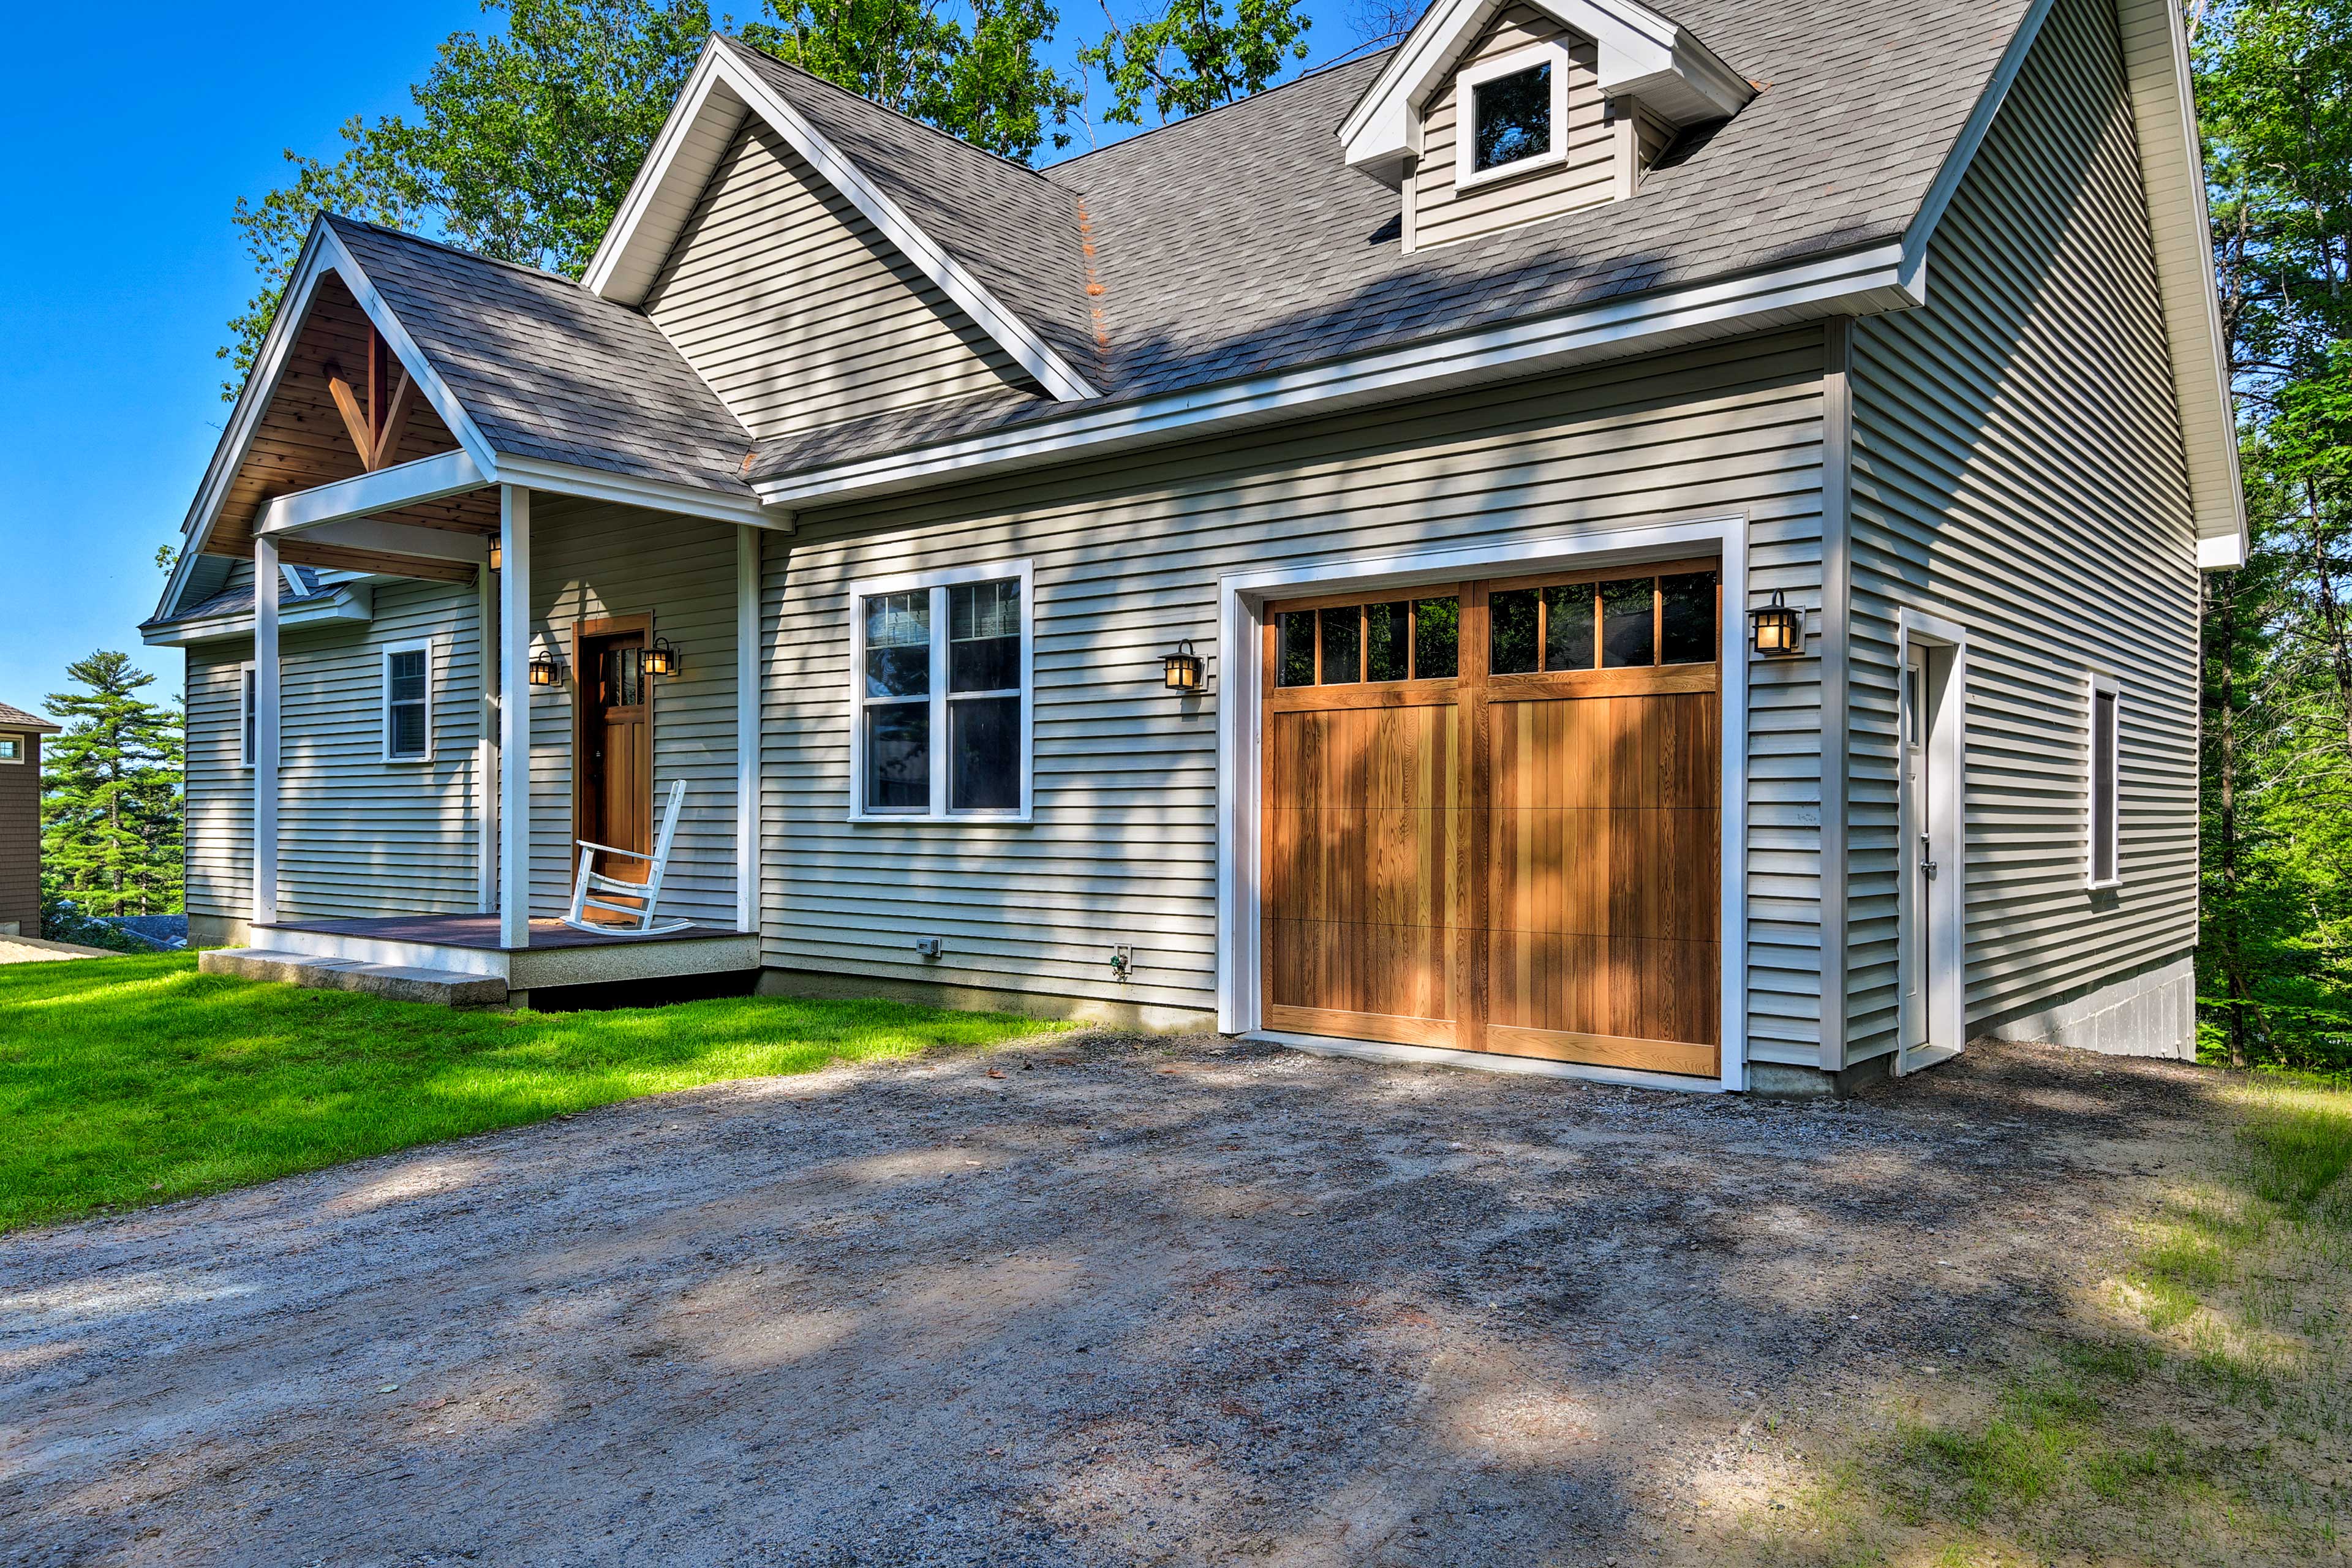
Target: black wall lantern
<point>544,670</point>
<point>497,557</point>
<point>1181,670</point>
<point>661,658</point>
<point>1779,630</point>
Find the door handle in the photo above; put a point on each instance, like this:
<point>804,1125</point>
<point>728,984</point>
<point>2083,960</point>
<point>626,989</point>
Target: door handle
<point>1927,865</point>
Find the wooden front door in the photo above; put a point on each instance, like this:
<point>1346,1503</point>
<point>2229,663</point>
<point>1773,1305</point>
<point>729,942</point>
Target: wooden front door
<point>612,742</point>
<point>1492,817</point>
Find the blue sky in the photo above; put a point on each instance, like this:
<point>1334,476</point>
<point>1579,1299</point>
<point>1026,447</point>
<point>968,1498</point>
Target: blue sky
<point>126,135</point>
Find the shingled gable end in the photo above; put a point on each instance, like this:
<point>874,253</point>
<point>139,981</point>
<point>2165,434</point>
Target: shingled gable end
<point>870,486</point>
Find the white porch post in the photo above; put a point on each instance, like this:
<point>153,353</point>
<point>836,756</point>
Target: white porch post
<point>747,728</point>
<point>265,730</point>
<point>514,716</point>
<point>489,657</point>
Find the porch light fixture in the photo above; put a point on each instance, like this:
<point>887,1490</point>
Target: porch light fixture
<point>1779,630</point>
<point>661,658</point>
<point>544,670</point>
<point>1181,670</point>
<point>497,557</point>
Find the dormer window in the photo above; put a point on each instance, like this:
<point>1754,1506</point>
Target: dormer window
<point>1516,107</point>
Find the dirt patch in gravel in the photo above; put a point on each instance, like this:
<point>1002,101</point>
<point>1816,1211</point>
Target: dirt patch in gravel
<point>1098,1301</point>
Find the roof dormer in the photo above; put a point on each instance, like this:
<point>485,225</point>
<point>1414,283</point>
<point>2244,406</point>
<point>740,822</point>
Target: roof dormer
<point>1498,112</point>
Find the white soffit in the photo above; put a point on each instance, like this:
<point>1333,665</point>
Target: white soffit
<point>1642,54</point>
<point>710,110</point>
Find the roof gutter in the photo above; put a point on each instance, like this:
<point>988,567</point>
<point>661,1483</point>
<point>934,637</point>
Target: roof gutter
<point>1857,282</point>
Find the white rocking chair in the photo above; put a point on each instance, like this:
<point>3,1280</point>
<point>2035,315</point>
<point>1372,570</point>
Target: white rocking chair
<point>590,881</point>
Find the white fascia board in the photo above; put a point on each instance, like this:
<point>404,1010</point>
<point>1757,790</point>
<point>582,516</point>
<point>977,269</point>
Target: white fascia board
<point>351,602</point>
<point>2156,64</point>
<point>659,495</point>
<point>1642,54</point>
<point>718,68</point>
<point>1854,282</point>
<point>365,495</point>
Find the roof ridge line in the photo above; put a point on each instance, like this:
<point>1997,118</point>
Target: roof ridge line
<point>1305,76</point>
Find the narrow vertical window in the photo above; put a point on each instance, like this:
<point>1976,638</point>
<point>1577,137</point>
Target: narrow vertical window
<point>246,717</point>
<point>942,676</point>
<point>408,704</point>
<point>2106,864</point>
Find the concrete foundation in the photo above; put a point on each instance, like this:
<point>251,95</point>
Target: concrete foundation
<point>1145,1020</point>
<point>2149,1012</point>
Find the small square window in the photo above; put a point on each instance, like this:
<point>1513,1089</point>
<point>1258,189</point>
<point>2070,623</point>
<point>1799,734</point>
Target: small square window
<point>12,748</point>
<point>1511,118</point>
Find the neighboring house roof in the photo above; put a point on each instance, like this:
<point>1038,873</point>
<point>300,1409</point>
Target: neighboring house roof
<point>18,720</point>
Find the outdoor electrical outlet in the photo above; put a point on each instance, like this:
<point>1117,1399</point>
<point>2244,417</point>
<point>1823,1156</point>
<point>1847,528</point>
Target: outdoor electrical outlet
<point>1123,961</point>
<point>929,946</point>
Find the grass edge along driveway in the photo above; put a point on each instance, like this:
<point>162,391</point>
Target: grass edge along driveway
<point>136,1080</point>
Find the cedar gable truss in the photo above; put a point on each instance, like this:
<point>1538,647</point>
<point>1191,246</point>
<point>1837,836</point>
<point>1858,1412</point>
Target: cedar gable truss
<point>343,404</point>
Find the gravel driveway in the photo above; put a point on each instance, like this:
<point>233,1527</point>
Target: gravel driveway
<point>1100,1300</point>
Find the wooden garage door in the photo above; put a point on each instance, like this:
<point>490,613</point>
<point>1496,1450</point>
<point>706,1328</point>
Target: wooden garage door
<point>1491,817</point>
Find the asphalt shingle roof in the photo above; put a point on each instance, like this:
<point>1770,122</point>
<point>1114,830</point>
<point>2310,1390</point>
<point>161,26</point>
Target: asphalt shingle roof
<point>17,718</point>
<point>239,600</point>
<point>1235,242</point>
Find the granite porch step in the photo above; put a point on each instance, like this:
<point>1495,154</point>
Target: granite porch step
<point>396,983</point>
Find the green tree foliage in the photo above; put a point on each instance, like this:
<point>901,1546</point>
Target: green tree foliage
<point>111,792</point>
<point>2275,90</point>
<point>984,84</point>
<point>1187,56</point>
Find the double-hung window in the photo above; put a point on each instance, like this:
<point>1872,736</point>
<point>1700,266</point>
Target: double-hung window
<point>2103,864</point>
<point>940,675</point>
<point>408,702</point>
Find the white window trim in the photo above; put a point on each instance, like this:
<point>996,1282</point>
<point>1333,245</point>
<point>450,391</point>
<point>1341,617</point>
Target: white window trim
<point>244,677</point>
<point>2102,684</point>
<point>1466,114</point>
<point>938,583</point>
<point>383,703</point>
<point>24,749</point>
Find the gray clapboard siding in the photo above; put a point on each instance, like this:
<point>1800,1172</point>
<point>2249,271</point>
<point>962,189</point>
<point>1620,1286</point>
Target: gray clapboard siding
<point>2017,469</point>
<point>790,304</point>
<point>1127,553</point>
<point>1441,213</point>
<point>357,836</point>
<point>590,560</point>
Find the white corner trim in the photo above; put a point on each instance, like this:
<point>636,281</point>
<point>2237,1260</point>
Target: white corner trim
<point>1238,660</point>
<point>2221,551</point>
<point>1850,282</point>
<point>1642,53</point>
<point>935,584</point>
<point>365,495</point>
<point>748,737</point>
<point>629,490</point>
<point>719,67</point>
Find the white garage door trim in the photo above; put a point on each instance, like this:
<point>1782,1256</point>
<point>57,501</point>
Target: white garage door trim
<point>1241,599</point>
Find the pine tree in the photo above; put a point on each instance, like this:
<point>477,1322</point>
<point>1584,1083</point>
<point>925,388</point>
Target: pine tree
<point>111,801</point>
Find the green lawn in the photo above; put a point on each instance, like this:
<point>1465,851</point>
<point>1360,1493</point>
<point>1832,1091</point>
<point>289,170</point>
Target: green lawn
<point>135,1081</point>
